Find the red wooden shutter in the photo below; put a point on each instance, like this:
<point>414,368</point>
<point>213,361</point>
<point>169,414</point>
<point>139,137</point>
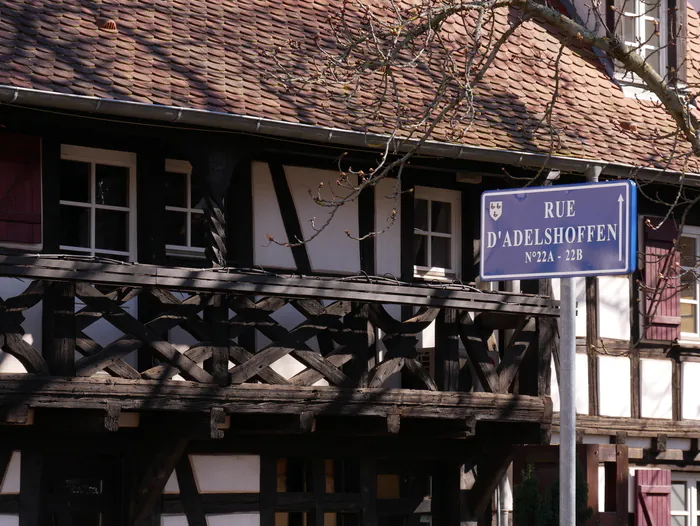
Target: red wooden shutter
<point>652,495</point>
<point>662,307</point>
<point>20,188</point>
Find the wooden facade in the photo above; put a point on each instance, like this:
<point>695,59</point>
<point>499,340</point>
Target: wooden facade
<point>245,384</point>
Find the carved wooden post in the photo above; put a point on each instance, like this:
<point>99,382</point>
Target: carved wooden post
<point>58,316</point>
<point>215,169</point>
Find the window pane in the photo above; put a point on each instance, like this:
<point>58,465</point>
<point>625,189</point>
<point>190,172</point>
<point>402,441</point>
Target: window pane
<point>688,284</point>
<point>688,317</point>
<point>650,33</point>
<point>111,230</point>
<point>175,228</point>
<point>678,494</point>
<point>420,220</point>
<point>420,243</point>
<point>441,254</point>
<point>174,189</point>
<point>111,185</point>
<point>651,8</point>
<point>441,217</point>
<point>75,226</point>
<point>75,181</point>
<point>678,521</point>
<point>199,231</point>
<point>629,32</point>
<point>688,251</point>
<point>196,196</point>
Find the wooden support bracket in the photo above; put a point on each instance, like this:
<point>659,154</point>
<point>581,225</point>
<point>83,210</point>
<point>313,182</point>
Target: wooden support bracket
<point>112,417</point>
<point>393,423</point>
<point>217,416</point>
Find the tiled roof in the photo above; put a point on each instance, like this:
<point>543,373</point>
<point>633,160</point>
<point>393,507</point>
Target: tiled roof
<point>212,55</point>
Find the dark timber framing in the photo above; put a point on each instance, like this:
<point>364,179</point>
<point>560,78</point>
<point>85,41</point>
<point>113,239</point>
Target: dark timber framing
<point>290,218</point>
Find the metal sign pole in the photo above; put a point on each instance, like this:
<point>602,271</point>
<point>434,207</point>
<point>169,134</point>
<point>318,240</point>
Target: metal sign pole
<point>567,414</point>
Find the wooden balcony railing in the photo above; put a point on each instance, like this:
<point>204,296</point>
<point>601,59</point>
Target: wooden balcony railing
<point>226,312</point>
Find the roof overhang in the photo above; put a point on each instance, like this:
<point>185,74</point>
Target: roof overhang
<point>12,95</point>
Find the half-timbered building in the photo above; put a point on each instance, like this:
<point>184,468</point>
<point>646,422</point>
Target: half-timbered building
<point>165,362</point>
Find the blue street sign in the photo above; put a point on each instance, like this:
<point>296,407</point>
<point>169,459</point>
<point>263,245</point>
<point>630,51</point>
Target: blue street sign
<point>559,231</point>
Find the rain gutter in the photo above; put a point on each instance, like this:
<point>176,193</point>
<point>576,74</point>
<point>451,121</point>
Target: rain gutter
<point>12,95</point>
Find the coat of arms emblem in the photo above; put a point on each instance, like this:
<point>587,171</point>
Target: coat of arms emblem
<point>496,209</point>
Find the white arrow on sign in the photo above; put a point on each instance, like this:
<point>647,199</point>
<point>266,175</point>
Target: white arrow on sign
<point>620,200</point>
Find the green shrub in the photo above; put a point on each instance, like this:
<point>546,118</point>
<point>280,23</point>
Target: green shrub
<point>533,507</point>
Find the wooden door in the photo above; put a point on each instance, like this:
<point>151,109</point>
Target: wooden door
<point>81,490</point>
<point>653,497</point>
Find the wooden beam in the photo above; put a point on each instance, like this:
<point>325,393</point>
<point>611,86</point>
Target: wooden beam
<point>58,341</point>
<point>239,210</point>
<point>268,489</point>
<point>216,314</point>
<point>447,350</point>
<point>30,497</point>
<point>137,275</point>
<point>189,493</point>
<point>474,343</point>
<point>154,461</point>
<point>368,491</point>
<point>290,218</point>
<point>592,336</point>
<point>129,325</point>
<point>548,340</point>
<point>366,211</point>
<point>134,395</point>
<point>492,465</point>
<point>523,338</point>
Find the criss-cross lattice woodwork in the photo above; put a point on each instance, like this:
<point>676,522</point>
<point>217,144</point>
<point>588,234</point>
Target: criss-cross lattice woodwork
<point>338,336</point>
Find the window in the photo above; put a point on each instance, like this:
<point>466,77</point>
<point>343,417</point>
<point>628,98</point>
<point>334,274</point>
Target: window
<point>184,217</point>
<point>644,28</point>
<point>436,232</point>
<point>690,288</point>
<point>98,202</point>
<point>684,499</point>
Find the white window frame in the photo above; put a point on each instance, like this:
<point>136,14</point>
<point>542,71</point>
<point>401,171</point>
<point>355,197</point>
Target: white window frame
<point>113,158</point>
<point>454,197</point>
<point>694,232</point>
<point>184,168</point>
<point>637,13</point>
<point>692,513</point>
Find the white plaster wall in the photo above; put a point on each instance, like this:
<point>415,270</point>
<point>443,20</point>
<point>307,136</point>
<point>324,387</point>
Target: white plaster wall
<point>690,391</point>
<point>614,307</point>
<point>655,396</point>
<point>9,520</point>
<point>172,486</point>
<point>10,482</point>
<point>10,287</point>
<point>614,386</point>
<point>387,244</point>
<point>226,473</point>
<point>601,487</point>
<point>678,443</point>
<point>580,287</point>
<point>267,220</point>
<point>333,250</point>
<point>234,519</point>
<point>581,386</point>
<point>174,520</point>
